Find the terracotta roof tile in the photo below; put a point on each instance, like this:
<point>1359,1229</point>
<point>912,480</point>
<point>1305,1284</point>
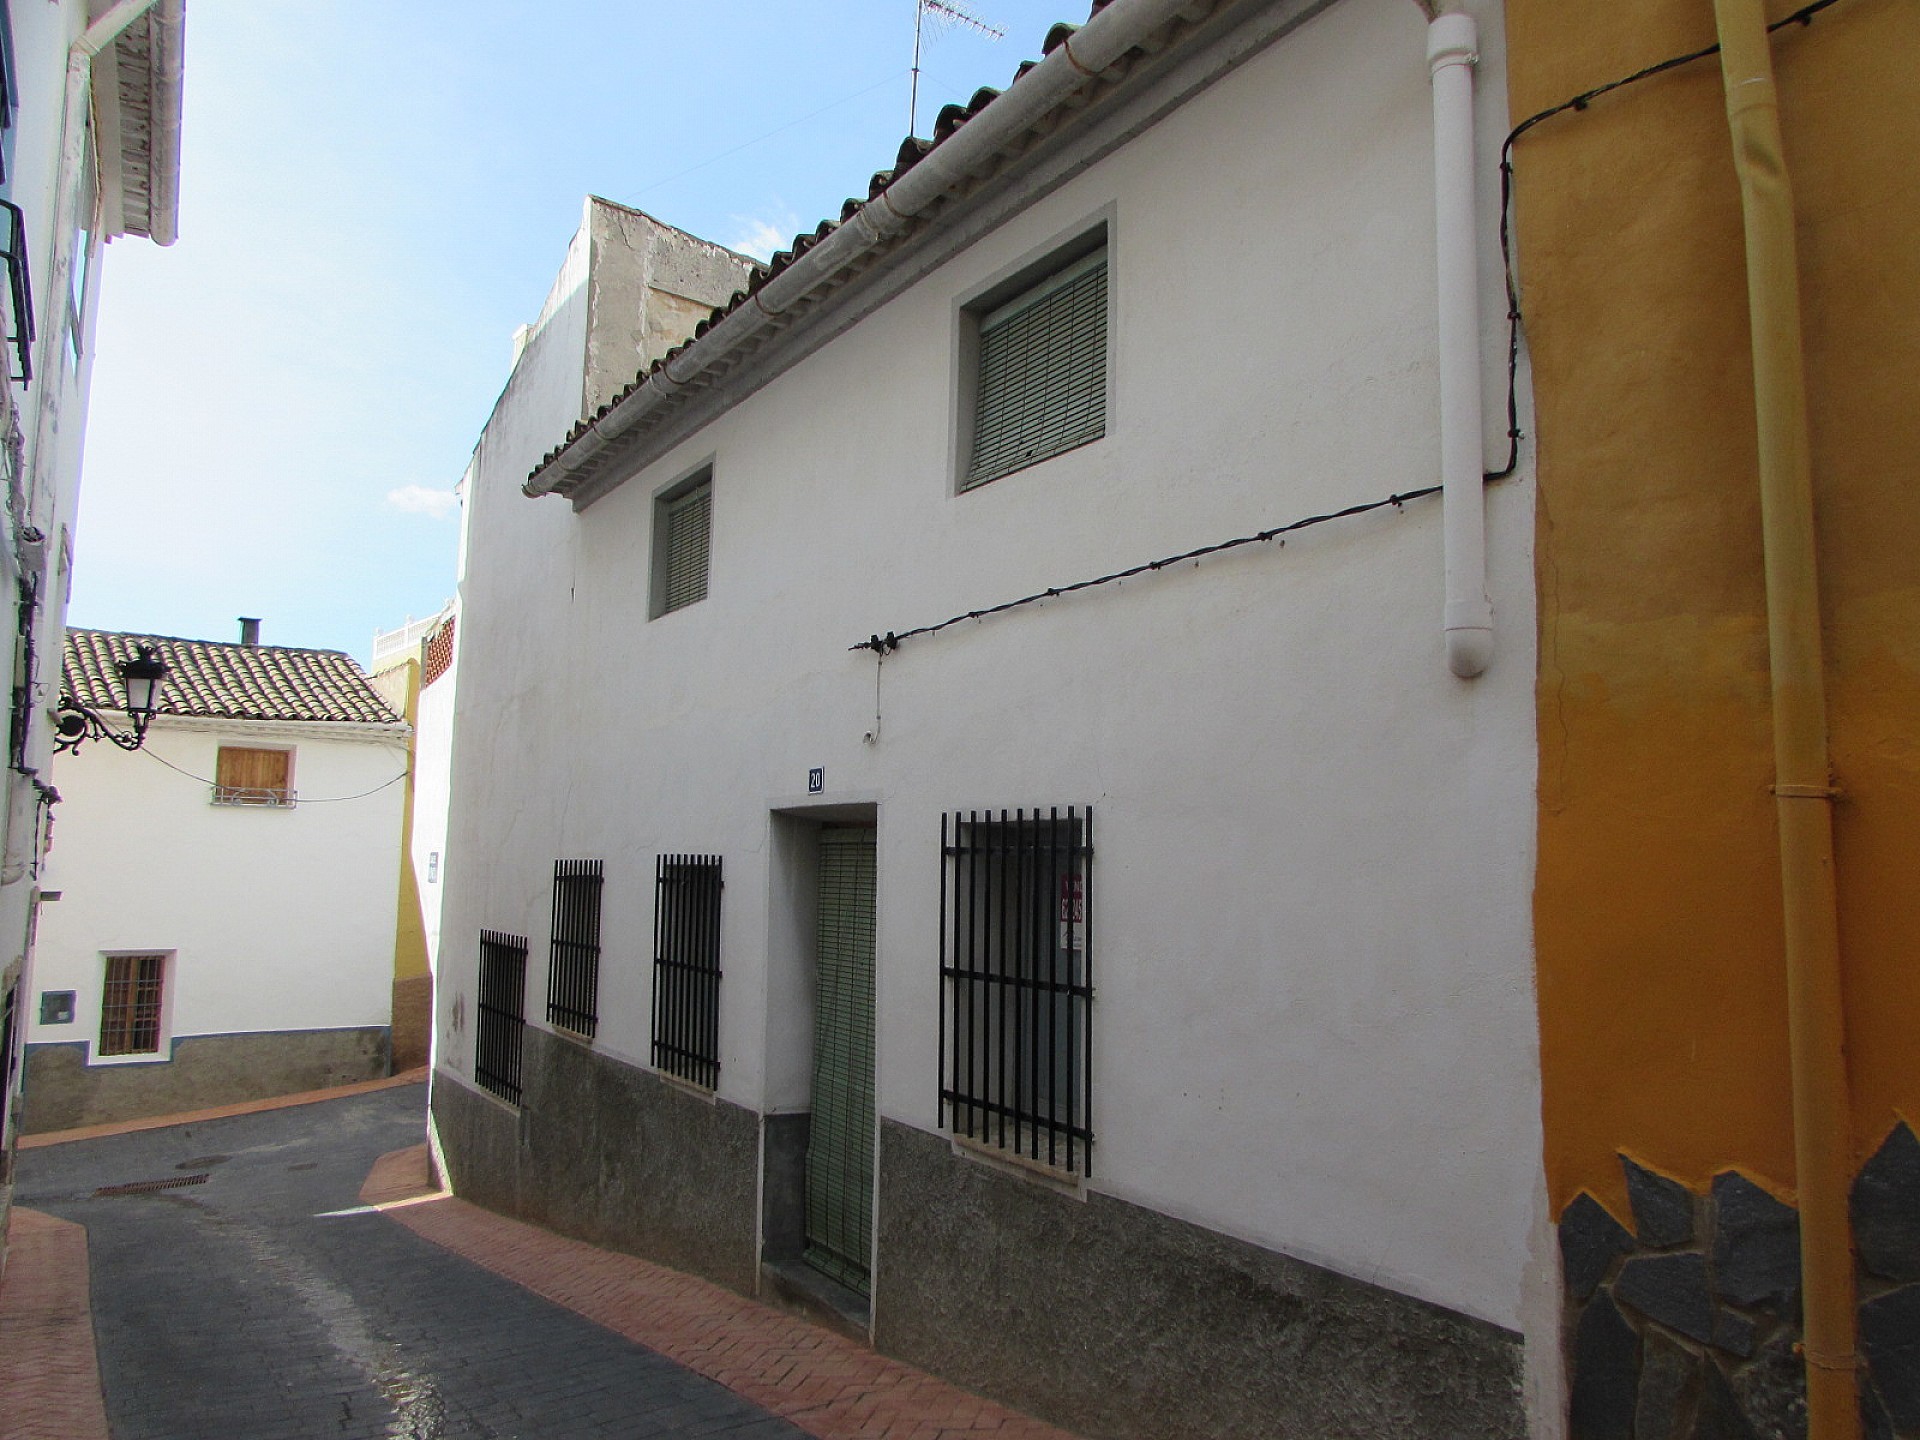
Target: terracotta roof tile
<point>208,679</point>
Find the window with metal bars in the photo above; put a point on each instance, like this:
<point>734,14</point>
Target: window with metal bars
<point>686,968</point>
<point>502,1014</point>
<point>573,974</point>
<point>130,1004</point>
<point>1016,951</point>
<point>251,775</point>
<point>682,543</point>
<point>1039,372</point>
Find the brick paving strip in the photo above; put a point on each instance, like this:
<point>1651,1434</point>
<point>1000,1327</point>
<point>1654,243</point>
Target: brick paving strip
<point>829,1386</point>
<point>49,1372</point>
<point>221,1112</point>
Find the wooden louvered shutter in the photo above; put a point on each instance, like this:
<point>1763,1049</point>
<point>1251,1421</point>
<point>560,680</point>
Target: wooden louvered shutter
<point>689,522</point>
<point>249,776</point>
<point>1043,372</point>
<point>840,1142</point>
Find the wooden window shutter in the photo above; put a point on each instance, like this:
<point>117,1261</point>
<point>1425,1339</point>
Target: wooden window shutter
<point>246,775</point>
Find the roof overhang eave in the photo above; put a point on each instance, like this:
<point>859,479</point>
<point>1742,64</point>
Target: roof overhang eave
<point>997,133</point>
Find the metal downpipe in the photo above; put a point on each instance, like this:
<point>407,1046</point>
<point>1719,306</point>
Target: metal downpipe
<point>1803,789</point>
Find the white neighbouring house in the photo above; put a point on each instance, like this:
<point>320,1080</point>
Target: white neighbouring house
<point>877,885</point>
<point>90,125</point>
<point>225,917</point>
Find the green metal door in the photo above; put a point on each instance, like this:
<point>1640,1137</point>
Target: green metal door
<point>840,1143</point>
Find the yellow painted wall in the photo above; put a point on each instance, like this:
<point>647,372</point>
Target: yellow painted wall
<point>1662,990</point>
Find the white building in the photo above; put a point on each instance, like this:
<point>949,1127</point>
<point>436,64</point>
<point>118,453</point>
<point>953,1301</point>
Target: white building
<point>89,151</point>
<point>1112,987</point>
<point>224,922</point>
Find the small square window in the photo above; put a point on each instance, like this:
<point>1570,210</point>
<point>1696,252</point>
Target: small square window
<point>246,775</point>
<point>1034,365</point>
<point>56,1007</point>
<point>682,542</point>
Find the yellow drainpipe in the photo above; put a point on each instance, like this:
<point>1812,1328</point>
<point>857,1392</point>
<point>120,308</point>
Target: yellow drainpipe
<point>1823,1151</point>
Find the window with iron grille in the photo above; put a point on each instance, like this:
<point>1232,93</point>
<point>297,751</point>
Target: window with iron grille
<point>686,968</point>
<point>1017,982</point>
<point>130,1004</point>
<point>1037,369</point>
<point>502,1014</point>
<point>682,543</point>
<point>6,1047</point>
<point>573,976</point>
<point>252,775</point>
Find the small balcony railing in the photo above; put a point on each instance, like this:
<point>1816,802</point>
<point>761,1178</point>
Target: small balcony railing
<point>240,795</point>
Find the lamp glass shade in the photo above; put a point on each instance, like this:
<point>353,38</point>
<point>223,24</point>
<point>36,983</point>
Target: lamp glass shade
<point>142,676</point>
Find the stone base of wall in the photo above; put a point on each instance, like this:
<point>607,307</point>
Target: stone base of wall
<point>611,1154</point>
<point>412,1022</point>
<point>1687,1327</point>
<point>1114,1320</point>
<point>63,1091</point>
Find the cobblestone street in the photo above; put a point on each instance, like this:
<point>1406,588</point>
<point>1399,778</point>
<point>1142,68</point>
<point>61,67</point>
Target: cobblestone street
<point>233,1305</point>
<point>242,1286</point>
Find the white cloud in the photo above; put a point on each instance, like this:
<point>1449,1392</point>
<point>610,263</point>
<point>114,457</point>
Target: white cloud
<point>760,238</point>
<point>422,500</point>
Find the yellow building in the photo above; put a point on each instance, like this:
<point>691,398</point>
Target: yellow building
<point>1662,951</point>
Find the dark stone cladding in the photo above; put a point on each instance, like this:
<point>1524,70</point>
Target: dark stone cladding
<point>200,1072</point>
<point>1689,1332</point>
<point>1114,1320</point>
<point>613,1155</point>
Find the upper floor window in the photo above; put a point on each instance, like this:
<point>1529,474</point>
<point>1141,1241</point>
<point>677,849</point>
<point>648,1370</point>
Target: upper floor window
<point>682,542</point>
<point>246,775</point>
<point>1035,365</point>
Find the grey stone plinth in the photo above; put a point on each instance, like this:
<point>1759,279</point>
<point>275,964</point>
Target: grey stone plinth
<point>1886,1208</point>
<point>1662,1208</point>
<point>1114,1320</point>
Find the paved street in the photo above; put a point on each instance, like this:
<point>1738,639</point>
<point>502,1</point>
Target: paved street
<point>232,1306</point>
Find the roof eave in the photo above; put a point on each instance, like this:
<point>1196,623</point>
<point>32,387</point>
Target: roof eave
<point>937,194</point>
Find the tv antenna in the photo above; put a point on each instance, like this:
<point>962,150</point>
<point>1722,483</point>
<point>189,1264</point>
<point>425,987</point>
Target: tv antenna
<point>944,12</point>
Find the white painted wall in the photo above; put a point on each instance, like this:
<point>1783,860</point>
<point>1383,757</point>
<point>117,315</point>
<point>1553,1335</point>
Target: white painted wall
<point>432,776</point>
<point>281,919</point>
<point>1315,1024</point>
<point>50,415</point>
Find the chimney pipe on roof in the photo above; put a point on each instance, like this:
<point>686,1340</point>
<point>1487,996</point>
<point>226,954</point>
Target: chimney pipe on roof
<point>249,630</point>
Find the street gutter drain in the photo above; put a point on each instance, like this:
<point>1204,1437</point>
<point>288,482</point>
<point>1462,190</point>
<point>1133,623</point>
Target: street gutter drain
<point>147,1187</point>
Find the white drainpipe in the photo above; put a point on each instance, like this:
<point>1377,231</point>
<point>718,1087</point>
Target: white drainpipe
<point>1452,53</point>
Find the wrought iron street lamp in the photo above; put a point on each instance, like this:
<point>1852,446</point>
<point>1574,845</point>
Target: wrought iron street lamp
<point>141,678</point>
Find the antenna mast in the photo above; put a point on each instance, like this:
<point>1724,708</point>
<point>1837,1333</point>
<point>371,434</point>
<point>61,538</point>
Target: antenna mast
<point>945,12</point>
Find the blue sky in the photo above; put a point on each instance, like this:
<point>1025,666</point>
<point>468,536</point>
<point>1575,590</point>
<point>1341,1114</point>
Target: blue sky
<point>372,197</point>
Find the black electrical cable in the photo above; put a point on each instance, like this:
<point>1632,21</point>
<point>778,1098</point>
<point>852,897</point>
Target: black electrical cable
<point>882,644</point>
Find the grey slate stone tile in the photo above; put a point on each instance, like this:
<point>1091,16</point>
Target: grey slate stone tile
<point>1720,1417</point>
<point>1890,1338</point>
<point>1671,1289</point>
<point>1756,1243</point>
<point>1606,1374</point>
<point>1669,1379</point>
<point>1590,1239</point>
<point>1772,1391</point>
<point>1886,1208</point>
<point>1662,1208</point>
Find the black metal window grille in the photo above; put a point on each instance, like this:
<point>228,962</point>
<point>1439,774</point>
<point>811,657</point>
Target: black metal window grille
<point>19,332</point>
<point>573,976</point>
<point>686,968</point>
<point>1016,961</point>
<point>130,1004</point>
<point>502,1014</point>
